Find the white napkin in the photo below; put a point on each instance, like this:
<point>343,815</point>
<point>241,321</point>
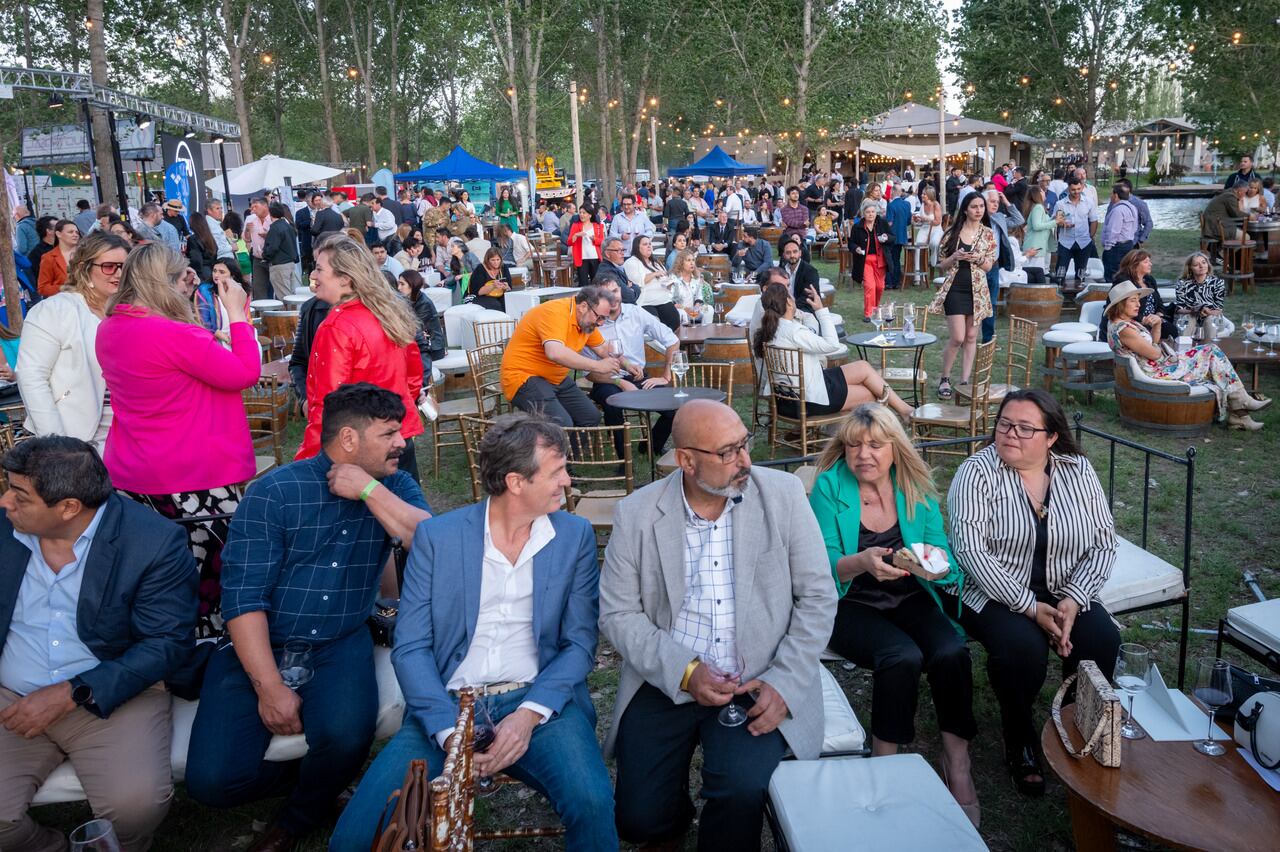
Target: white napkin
<point>1169,715</point>
<point>935,563</point>
<point>878,340</point>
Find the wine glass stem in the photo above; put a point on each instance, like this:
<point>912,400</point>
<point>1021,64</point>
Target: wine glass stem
<point>1208,735</point>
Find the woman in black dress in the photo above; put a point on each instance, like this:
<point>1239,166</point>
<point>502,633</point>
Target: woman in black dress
<point>490,282</point>
<point>968,251</point>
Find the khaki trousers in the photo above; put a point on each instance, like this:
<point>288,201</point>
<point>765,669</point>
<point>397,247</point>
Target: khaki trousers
<point>122,762</point>
<point>284,279</point>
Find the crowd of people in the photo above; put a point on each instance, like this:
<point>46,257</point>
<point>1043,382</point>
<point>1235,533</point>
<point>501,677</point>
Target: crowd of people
<point>721,584</point>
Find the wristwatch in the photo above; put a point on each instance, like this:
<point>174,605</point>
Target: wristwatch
<point>81,692</point>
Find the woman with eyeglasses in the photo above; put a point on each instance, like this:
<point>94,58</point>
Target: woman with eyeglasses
<point>58,371</point>
<point>873,496</point>
<point>1033,533</point>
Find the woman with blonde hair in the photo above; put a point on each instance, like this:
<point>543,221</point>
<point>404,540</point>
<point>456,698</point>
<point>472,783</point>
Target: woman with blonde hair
<point>58,372</point>
<point>874,496</point>
<point>690,293</point>
<point>179,440</point>
<point>929,224</point>
<point>368,336</point>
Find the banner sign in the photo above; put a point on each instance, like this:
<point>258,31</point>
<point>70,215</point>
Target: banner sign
<point>58,144</point>
<point>183,172</point>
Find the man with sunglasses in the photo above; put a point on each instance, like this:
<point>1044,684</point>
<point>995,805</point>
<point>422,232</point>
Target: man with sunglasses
<point>547,345</point>
<point>714,591</point>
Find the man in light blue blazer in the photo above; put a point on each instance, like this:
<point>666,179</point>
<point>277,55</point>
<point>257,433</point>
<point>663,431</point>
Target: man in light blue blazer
<point>503,596</point>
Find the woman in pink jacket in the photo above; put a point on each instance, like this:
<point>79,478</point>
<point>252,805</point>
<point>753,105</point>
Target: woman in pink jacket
<point>180,439</point>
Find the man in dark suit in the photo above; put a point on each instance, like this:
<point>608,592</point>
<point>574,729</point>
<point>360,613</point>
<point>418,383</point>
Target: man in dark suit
<point>97,608</point>
<point>721,234</point>
<point>801,273</point>
<point>302,221</point>
<point>898,218</point>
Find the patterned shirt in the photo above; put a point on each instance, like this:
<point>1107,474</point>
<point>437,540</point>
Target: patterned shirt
<point>307,558</point>
<point>706,623</point>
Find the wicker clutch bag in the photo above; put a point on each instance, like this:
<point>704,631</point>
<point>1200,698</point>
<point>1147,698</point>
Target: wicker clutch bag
<point>1097,715</point>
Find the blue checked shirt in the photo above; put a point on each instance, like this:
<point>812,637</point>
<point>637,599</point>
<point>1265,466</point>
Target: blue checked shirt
<point>707,621</point>
<point>307,558</point>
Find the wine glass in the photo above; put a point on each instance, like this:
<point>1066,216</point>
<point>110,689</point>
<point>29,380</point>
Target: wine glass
<point>679,366</point>
<point>1213,688</point>
<point>483,733</point>
<point>1273,331</point>
<point>614,347</point>
<point>1132,675</point>
<point>1246,323</point>
<point>887,316</point>
<point>295,663</point>
<point>278,343</point>
<point>96,835</point>
<point>877,319</point>
<point>731,669</point>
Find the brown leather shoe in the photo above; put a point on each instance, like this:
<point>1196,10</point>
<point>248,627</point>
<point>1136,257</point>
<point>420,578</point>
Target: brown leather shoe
<point>274,839</point>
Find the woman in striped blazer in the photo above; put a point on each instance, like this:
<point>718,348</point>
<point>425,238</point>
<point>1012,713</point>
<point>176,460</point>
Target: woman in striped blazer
<point>1032,531</point>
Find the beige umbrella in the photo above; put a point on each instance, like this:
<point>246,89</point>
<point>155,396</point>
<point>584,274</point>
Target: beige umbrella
<point>1263,158</point>
<point>1165,161</point>
<point>1141,162</point>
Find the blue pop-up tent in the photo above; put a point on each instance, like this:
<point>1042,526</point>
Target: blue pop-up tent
<point>717,164</point>
<point>460,165</point>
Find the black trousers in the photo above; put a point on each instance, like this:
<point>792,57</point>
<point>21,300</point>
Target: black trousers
<point>564,403</point>
<point>409,459</point>
<point>1111,258</point>
<point>893,270</point>
<point>656,739</point>
<point>897,645</point>
<point>587,271</point>
<point>667,314</point>
<point>1018,659</point>
<point>260,279</point>
<point>613,416</point>
<point>1066,254</point>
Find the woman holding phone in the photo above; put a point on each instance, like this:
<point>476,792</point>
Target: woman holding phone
<point>968,252</point>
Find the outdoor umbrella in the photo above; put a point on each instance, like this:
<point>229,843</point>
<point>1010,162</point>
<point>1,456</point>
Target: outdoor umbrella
<point>272,171</point>
<point>1263,158</point>
<point>1141,162</point>
<point>1165,160</point>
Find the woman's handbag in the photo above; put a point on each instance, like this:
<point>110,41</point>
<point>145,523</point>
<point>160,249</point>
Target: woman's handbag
<point>1258,728</point>
<point>407,828</point>
<point>1244,685</point>
<point>1097,715</point>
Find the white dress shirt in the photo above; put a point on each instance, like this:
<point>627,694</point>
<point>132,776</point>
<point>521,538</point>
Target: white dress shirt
<point>634,327</point>
<point>385,222</point>
<point>707,621</point>
<point>503,647</point>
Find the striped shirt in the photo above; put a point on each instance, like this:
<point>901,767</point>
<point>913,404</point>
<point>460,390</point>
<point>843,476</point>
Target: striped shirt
<point>706,623</point>
<point>993,532</point>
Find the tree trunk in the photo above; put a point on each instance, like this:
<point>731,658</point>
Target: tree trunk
<point>393,89</point>
<point>235,34</point>
<point>326,84</point>
<point>101,128</point>
<point>796,164</point>
<point>8,267</point>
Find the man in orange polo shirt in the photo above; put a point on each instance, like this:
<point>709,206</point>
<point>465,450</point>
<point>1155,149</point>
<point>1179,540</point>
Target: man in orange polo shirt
<point>547,344</point>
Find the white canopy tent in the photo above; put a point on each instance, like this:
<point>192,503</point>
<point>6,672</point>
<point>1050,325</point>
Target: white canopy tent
<point>272,171</point>
<point>924,153</point>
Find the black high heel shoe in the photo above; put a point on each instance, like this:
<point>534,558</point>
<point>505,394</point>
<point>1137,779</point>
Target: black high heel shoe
<point>1024,764</point>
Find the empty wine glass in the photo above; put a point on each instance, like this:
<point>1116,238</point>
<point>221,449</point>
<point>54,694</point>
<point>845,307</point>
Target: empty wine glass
<point>731,669</point>
<point>615,351</point>
<point>1213,688</point>
<point>679,366</point>
<point>295,663</point>
<point>1273,331</point>
<point>877,319</point>
<point>483,733</point>
<point>1132,675</point>
<point>96,835</point>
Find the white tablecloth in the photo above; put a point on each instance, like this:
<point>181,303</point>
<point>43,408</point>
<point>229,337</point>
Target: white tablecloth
<point>519,302</point>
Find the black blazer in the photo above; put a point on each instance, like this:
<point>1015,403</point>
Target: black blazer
<point>201,259</point>
<point>717,233</point>
<point>312,313</point>
<point>137,608</point>
<point>806,276</point>
<point>859,238</point>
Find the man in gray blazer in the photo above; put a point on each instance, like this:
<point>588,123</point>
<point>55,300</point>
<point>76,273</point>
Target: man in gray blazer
<point>715,563</point>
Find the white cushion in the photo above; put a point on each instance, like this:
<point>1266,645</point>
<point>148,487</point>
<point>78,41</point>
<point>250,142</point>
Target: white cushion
<point>1142,380</point>
<point>1258,622</point>
<point>896,802</point>
<point>1093,269</point>
<point>1139,578</point>
<point>1096,350</point>
<point>742,309</point>
<point>441,297</point>
<point>1168,295</point>
<point>1084,327</point>
<point>266,304</point>
<point>1010,277</point>
<point>1091,313</point>
<point>454,362</point>
<point>458,320</point>
<point>1062,338</point>
<point>841,730</point>
<point>62,785</point>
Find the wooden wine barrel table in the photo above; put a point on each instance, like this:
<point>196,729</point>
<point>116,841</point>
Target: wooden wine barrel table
<point>1040,303</point>
<point>730,294</point>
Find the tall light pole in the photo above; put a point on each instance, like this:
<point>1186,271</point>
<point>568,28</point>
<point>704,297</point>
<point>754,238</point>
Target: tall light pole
<point>653,150</point>
<point>942,147</point>
<point>577,143</point>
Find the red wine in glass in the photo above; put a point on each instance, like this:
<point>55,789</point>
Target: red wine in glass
<point>482,736</point>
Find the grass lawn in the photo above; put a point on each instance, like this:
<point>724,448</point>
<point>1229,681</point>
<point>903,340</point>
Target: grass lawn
<point>1236,490</point>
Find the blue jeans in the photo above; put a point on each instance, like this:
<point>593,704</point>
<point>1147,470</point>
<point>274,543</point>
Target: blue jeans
<point>563,763</point>
<point>1111,259</point>
<point>993,286</point>
<point>225,766</point>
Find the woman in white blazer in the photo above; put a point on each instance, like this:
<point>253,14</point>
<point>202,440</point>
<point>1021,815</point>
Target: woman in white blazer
<point>58,372</point>
<point>827,390</point>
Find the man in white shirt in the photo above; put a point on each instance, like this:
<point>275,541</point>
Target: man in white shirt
<point>383,219</point>
<point>633,327</point>
<point>1077,222</point>
<point>1090,192</point>
<point>502,596</point>
<point>629,224</point>
<point>476,244</point>
<point>213,213</point>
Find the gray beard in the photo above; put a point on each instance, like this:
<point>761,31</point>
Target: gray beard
<point>732,492</point>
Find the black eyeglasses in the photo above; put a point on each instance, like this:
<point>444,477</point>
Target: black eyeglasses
<point>1022,430</point>
<point>728,456</point>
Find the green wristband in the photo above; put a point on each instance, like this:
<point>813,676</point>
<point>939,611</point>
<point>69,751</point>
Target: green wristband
<point>368,489</point>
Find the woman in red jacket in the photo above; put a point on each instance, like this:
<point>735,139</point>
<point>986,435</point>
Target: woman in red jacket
<point>368,336</point>
<point>585,238</point>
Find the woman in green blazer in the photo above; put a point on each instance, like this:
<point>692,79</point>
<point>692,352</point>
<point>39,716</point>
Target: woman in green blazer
<point>874,494</point>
